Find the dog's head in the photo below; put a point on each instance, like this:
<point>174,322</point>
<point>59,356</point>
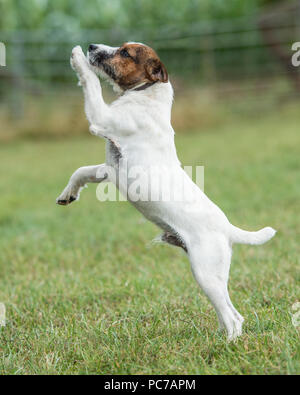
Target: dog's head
<point>128,66</point>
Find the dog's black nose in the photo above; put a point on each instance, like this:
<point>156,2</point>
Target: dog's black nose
<point>92,47</point>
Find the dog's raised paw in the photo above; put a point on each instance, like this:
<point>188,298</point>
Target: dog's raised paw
<point>78,59</point>
<point>61,202</point>
<point>65,202</point>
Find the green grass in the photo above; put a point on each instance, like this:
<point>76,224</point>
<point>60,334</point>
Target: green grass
<point>85,293</point>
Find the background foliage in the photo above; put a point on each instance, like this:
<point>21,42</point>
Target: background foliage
<point>73,15</point>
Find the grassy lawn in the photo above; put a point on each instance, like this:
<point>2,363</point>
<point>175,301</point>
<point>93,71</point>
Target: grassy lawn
<point>86,293</point>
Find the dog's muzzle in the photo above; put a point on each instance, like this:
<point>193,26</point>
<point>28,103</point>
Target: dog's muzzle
<point>95,55</point>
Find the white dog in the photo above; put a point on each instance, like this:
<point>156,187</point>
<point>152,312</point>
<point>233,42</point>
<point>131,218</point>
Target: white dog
<point>138,132</point>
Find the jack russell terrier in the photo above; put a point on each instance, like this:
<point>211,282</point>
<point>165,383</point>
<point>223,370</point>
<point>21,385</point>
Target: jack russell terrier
<point>138,131</point>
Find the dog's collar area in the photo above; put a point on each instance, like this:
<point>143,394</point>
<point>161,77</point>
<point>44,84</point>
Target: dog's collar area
<point>140,87</point>
<point>144,86</point>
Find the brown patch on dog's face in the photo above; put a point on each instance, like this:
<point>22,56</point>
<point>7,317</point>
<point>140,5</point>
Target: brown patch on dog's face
<point>130,65</point>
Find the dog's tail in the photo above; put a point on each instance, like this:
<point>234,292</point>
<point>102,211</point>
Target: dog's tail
<point>241,236</point>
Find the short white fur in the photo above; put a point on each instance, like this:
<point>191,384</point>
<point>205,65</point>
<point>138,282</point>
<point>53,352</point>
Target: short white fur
<point>140,123</point>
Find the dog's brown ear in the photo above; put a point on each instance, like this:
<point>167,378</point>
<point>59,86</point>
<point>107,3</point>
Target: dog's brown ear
<point>156,71</point>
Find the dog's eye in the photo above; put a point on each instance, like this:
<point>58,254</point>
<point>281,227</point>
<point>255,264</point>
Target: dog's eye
<point>124,53</point>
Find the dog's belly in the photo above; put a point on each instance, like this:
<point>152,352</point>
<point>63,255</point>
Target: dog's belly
<point>184,220</point>
<point>174,203</point>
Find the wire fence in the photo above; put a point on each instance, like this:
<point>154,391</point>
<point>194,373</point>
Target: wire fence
<point>206,53</point>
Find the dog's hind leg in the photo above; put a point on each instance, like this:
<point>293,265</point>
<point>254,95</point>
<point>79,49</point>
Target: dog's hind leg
<point>227,254</point>
<point>79,178</point>
<point>210,262</point>
<point>234,310</point>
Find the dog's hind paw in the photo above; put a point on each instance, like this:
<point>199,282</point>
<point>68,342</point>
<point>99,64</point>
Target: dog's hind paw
<point>236,332</point>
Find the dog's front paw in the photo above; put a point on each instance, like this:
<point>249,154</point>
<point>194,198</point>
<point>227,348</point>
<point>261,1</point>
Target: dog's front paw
<point>78,60</point>
<point>68,196</point>
<point>65,202</point>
